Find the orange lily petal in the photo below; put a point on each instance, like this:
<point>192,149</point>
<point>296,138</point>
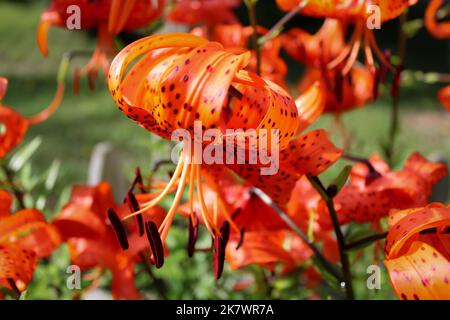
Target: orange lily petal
<point>15,127</point>
<point>412,223</point>
<point>310,106</point>
<point>263,248</point>
<point>444,97</point>
<point>310,154</point>
<point>440,30</point>
<point>6,201</point>
<point>17,264</point>
<point>3,87</point>
<point>420,274</point>
<point>29,229</point>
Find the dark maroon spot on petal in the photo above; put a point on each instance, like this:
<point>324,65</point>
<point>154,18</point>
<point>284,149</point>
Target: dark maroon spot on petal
<point>155,243</point>
<point>118,228</point>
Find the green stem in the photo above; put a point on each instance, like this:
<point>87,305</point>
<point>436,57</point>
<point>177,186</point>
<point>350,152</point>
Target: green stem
<point>159,284</point>
<point>367,240</point>
<point>251,6</point>
<point>347,283</point>
<point>18,194</point>
<point>278,27</point>
<point>291,224</point>
<point>395,108</point>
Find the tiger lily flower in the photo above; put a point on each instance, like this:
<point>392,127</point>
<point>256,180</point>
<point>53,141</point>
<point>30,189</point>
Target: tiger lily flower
<point>209,12</point>
<point>357,14</point>
<point>372,192</point>
<point>183,79</point>
<point>108,17</point>
<point>439,30</point>
<point>15,126</point>
<point>83,224</point>
<point>417,253</point>
<point>25,237</point>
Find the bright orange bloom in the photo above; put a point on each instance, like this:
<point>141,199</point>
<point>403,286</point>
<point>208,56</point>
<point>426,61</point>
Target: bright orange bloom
<point>25,237</point>
<point>209,12</point>
<point>358,14</point>
<point>372,193</point>
<point>108,17</point>
<point>183,78</point>
<point>83,223</point>
<point>417,253</point>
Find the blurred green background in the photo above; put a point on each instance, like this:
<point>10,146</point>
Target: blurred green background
<point>89,118</point>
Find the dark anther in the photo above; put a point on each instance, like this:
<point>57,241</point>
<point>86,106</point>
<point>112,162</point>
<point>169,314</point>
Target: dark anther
<point>118,228</point>
<point>193,235</point>
<point>155,243</point>
<point>241,238</point>
<point>220,243</point>
<point>133,205</point>
<point>339,86</point>
<point>235,213</point>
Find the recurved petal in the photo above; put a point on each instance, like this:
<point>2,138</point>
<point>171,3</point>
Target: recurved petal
<point>411,223</point>
<point>420,274</point>
<point>15,127</point>
<point>5,203</point>
<point>440,30</point>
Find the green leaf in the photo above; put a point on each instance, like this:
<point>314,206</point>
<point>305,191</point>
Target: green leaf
<point>24,154</point>
<point>412,27</point>
<point>340,180</point>
<point>52,175</point>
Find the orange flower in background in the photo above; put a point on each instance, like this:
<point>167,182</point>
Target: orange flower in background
<point>209,12</point>
<point>238,37</point>
<point>315,50</point>
<point>343,92</point>
<point>444,97</point>
<point>372,193</point>
<point>25,237</point>
<point>439,30</point>
<point>357,14</point>
<point>417,253</point>
<point>108,17</point>
<point>15,126</point>
<point>83,224</point>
